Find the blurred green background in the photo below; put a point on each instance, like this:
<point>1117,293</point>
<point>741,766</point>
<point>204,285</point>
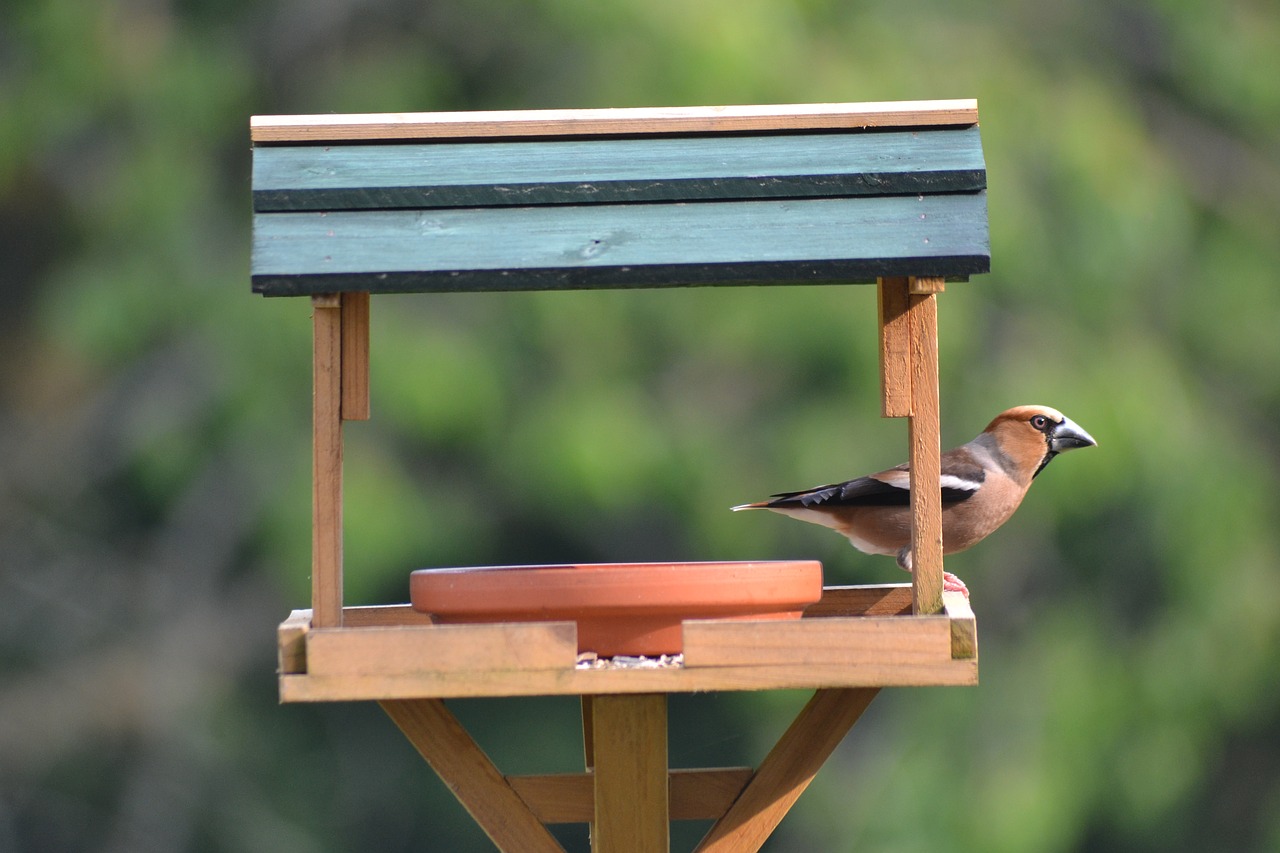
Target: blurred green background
<point>154,488</point>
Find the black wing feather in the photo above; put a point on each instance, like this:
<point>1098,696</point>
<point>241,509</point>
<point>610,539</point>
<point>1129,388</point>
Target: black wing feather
<point>869,491</point>
<point>864,491</point>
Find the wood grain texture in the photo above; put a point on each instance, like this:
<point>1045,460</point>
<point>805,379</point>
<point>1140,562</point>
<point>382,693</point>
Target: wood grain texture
<point>630,775</point>
<point>468,772</point>
<point>787,770</point>
<point>806,241</point>
<point>387,650</point>
<point>895,347</point>
<point>616,171</point>
<point>877,601</point>
<point>924,429</point>
<point>292,643</point>
<point>964,626</point>
<point>892,599</point>
<point>369,616</point>
<point>702,794</point>
<point>448,685</point>
<point>355,356</point>
<point>873,603</point>
<point>609,122</point>
<point>706,794</point>
<point>326,473</point>
<point>917,286</point>
<point>588,733</point>
<point>835,640</point>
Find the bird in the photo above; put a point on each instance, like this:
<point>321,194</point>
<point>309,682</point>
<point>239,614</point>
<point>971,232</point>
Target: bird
<point>983,483</point>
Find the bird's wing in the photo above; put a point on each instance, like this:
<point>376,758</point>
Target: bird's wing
<point>864,491</point>
<point>961,478</point>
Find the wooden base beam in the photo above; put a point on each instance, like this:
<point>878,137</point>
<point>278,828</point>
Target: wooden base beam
<point>695,794</point>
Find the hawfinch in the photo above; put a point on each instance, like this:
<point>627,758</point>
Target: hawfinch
<point>982,484</point>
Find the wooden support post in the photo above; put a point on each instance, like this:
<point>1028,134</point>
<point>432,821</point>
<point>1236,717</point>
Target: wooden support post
<point>588,732</point>
<point>355,356</point>
<point>909,388</point>
<point>787,770</point>
<point>895,348</point>
<point>629,748</point>
<point>326,469</point>
<point>463,766</point>
<point>925,428</point>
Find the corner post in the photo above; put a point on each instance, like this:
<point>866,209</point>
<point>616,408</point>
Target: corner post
<point>326,462</point>
<point>340,391</point>
<point>908,319</point>
<point>925,430</point>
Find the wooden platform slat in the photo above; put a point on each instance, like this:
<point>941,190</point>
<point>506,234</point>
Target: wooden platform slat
<point>358,177</point>
<point>964,626</point>
<point>809,241</point>
<point>383,614</point>
<point>551,682</point>
<point>292,643</point>
<point>838,640</point>
<point>442,648</point>
<point>609,122</point>
<point>890,599</point>
<point>855,636</point>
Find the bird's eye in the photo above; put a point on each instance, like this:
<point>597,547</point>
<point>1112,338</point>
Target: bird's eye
<point>1039,422</point>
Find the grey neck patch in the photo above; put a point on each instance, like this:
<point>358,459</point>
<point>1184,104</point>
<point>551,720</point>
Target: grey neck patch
<point>987,445</point>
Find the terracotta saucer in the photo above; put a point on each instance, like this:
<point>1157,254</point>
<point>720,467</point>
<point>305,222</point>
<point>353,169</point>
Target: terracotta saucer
<point>620,608</point>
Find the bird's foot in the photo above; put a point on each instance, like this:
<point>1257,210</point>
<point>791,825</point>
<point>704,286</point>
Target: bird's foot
<point>951,583</point>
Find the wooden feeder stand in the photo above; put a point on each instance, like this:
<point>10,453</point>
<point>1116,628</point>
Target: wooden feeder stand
<point>351,205</point>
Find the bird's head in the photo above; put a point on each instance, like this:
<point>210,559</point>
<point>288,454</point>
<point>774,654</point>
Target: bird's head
<point>1039,430</point>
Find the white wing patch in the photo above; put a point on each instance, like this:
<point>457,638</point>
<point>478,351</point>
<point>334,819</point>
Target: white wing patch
<point>902,480</point>
<point>951,481</point>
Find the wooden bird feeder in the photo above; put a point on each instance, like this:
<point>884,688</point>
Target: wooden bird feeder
<point>346,206</point>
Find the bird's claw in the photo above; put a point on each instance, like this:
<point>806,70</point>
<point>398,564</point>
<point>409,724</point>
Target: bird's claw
<point>951,583</point>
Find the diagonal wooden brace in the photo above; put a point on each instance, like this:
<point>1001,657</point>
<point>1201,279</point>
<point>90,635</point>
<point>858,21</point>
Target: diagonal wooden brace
<point>787,770</point>
<point>468,772</point>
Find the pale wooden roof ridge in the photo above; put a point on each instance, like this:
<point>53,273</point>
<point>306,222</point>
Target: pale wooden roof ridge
<point>587,122</point>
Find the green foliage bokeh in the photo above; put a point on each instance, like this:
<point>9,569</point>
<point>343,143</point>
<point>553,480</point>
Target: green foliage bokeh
<point>155,479</point>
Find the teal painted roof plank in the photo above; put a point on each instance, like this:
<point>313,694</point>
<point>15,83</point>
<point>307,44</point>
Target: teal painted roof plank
<point>445,174</point>
<point>820,207</point>
<point>814,240</point>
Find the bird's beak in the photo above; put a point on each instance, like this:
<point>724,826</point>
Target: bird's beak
<point>1068,436</point>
